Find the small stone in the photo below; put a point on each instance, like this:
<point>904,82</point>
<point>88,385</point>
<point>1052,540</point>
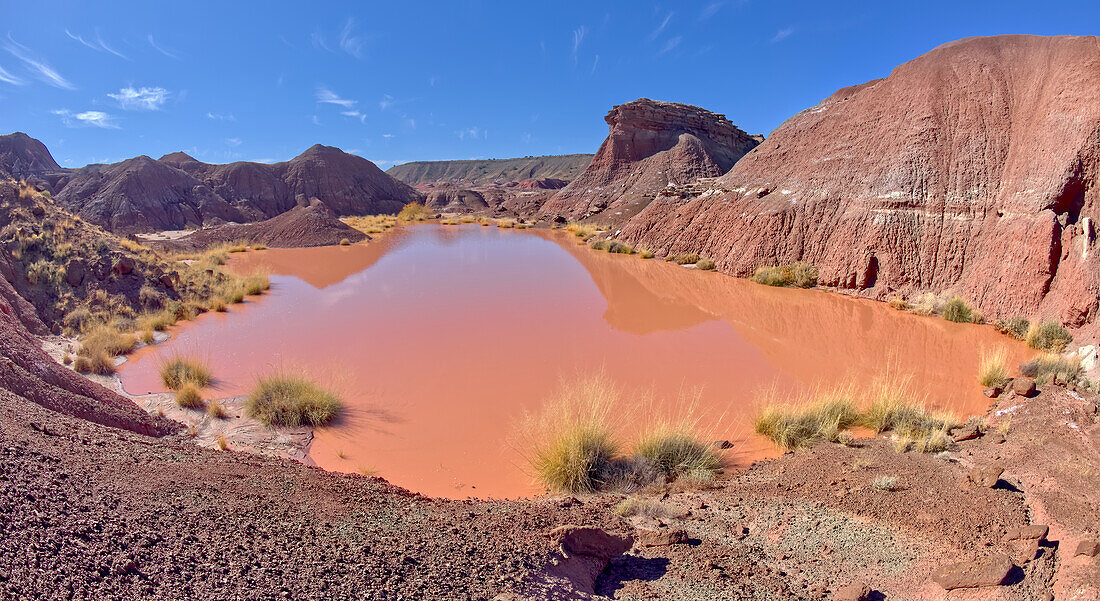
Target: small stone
<point>991,571</point>
<point>1087,548</point>
<point>664,537</point>
<point>1029,532</point>
<point>966,432</point>
<point>986,476</point>
<point>856,591</point>
<point>992,391</point>
<point>723,444</point>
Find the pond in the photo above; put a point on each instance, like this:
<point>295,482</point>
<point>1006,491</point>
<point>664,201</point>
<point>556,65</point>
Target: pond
<point>440,338</point>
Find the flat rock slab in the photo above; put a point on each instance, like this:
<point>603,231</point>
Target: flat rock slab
<point>992,571</point>
<point>856,591</point>
<point>986,476</point>
<point>1088,548</point>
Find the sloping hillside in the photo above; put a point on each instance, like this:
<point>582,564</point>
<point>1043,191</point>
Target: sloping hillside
<point>491,171</point>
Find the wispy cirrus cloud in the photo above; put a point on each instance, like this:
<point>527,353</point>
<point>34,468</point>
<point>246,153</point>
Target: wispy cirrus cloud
<point>97,43</point>
<point>782,34</point>
<point>355,115</point>
<point>327,96</point>
<point>472,133</point>
<point>161,49</point>
<point>233,142</point>
<point>661,28</point>
<point>86,118</point>
<point>36,65</point>
<point>220,117</point>
<point>11,79</point>
<point>671,45</point>
<point>578,39</point>
<point>710,10</point>
<point>143,98</point>
<point>351,42</point>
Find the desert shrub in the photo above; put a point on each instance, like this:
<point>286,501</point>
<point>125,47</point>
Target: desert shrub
<point>993,369</point>
<point>1048,336</point>
<point>633,506</point>
<point>570,444</point>
<point>645,254</point>
<point>219,305</point>
<point>582,230</point>
<point>156,321</point>
<point>105,339</point>
<point>927,304</point>
<point>147,336</point>
<point>958,311</point>
<point>796,275</point>
<point>705,265</point>
<point>414,211</point>
<point>1045,368</point>
<point>290,400</point>
<point>892,408</point>
<point>345,242</point>
<point>179,371</point>
<point>677,450</point>
<point>189,396</point>
<point>237,248</point>
<point>601,244</point>
<point>97,363</point>
<point>1017,327</point>
<point>216,410</point>
<point>620,248</point>
<point>77,319</point>
<point>822,415</point>
<point>259,246</point>
<point>256,284</point>
<point>45,273</point>
<point>888,483</point>
<point>683,259</point>
<point>150,297</point>
<point>897,302</point>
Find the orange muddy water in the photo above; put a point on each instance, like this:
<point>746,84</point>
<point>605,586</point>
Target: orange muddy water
<point>440,338</point>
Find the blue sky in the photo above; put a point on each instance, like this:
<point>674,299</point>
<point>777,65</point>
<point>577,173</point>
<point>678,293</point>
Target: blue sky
<point>401,81</point>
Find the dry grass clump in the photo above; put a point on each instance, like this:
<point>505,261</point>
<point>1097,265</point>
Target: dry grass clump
<point>637,506</point>
<point>108,340</point>
<point>216,410</point>
<point>583,230</point>
<point>676,450</point>
<point>371,224</point>
<point>180,371</point>
<point>897,302</point>
<point>1050,367</point>
<point>795,275</point>
<point>683,259</point>
<point>645,254</point>
<point>155,321</point>
<point>572,441</point>
<point>414,211</point>
<point>256,284</point>
<point>284,399</point>
<point>345,242</point>
<point>450,221</point>
<point>993,369</point>
<point>97,363</point>
<point>958,311</point>
<point>506,223</point>
<point>1048,336</point>
<point>620,248</point>
<point>705,265</point>
<point>467,219</point>
<point>1017,327</point>
<point>887,483</point>
<point>821,415</point>
<point>601,244</point>
<point>189,396</point>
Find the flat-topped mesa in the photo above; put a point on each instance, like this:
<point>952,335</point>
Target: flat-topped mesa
<point>650,146</point>
<point>972,169</point>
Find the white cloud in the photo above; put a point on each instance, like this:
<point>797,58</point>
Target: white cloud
<point>98,44</point>
<point>37,66</point>
<point>386,102</point>
<point>161,49</point>
<point>578,39</point>
<point>710,10</point>
<point>387,136</point>
<point>349,42</point>
<point>220,117</point>
<point>233,141</point>
<point>86,118</point>
<point>9,78</point>
<point>145,98</point>
<point>472,133</point>
<point>671,44</point>
<point>782,34</point>
<point>355,115</point>
<point>660,28</point>
<point>316,121</point>
<point>327,96</point>
<point>594,63</point>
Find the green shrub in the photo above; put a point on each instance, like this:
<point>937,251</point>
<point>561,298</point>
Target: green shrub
<point>958,311</point>
<point>289,400</point>
<point>180,371</point>
<point>678,451</point>
<point>793,425</point>
<point>1048,336</point>
<point>795,275</point>
<point>1017,327</point>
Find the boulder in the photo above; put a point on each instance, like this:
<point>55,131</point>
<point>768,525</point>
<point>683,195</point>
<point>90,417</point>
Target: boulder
<point>123,266</point>
<point>991,571</point>
<point>856,591</point>
<point>987,475</point>
<point>1029,532</point>
<point>1023,386</point>
<point>74,273</point>
<point>968,431</point>
<point>591,541</point>
<point>1087,548</point>
<point>663,537</point>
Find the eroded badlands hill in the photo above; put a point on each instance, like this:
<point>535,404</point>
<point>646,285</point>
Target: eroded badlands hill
<point>972,168</point>
<point>651,146</point>
<point>482,172</point>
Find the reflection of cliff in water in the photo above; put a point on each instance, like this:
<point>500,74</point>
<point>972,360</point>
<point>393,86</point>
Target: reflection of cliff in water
<point>809,335</point>
<point>321,266</point>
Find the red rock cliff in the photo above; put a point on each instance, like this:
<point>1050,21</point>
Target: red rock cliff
<point>973,168</point>
<point>650,145</point>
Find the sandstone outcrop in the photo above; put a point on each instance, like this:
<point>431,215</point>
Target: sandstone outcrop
<point>651,146</point>
<point>972,168</point>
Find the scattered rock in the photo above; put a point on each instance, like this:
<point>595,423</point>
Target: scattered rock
<point>986,476</point>
<point>663,537</point>
<point>1023,386</point>
<point>967,431</point>
<point>1087,548</point>
<point>856,591</point>
<point>1029,532</point>
<point>723,444</point>
<point>123,266</point>
<point>991,571</point>
<point>74,273</point>
<point>992,392</point>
